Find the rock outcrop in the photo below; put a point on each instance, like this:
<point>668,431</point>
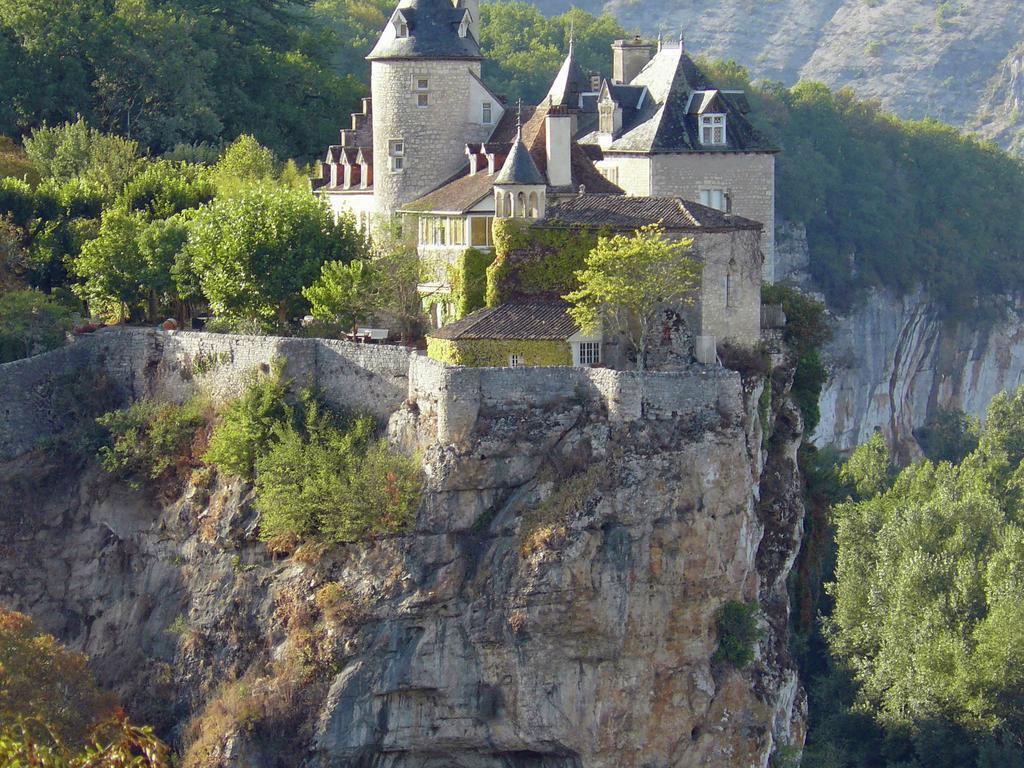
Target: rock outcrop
<point>555,605</point>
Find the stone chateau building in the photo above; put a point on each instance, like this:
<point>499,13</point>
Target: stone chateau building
<point>653,142</point>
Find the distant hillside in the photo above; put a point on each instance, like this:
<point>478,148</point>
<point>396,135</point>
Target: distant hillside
<point>960,62</point>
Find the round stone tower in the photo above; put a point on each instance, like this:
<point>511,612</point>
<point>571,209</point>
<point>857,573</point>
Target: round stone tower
<point>428,100</point>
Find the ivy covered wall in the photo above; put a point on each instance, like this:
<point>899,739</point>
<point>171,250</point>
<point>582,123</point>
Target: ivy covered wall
<point>535,259</point>
<point>468,280</point>
<point>496,352</point>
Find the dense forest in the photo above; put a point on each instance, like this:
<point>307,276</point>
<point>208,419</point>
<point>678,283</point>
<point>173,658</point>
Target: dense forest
<point>155,165</point>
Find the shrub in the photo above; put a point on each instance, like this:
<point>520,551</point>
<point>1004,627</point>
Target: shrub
<point>948,435</point>
<point>737,632</point>
<point>247,426</point>
<point>31,323</point>
<point>749,362</point>
<point>150,439</point>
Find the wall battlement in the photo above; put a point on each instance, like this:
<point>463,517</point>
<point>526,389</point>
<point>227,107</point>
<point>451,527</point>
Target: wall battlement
<point>146,362</point>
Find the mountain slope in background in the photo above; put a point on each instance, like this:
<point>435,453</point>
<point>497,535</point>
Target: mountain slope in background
<point>960,62</point>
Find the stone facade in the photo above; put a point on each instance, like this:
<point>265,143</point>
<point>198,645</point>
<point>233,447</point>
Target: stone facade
<point>730,295</point>
<point>434,136</point>
<point>748,179</point>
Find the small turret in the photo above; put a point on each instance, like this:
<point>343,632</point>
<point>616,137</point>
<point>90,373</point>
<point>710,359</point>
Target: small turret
<point>520,188</point>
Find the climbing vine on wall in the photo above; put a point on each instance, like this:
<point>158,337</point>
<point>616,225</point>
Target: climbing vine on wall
<point>496,352</point>
<point>468,279</point>
<point>532,259</point>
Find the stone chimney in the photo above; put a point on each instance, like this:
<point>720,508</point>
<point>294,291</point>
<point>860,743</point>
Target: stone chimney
<point>628,58</point>
<point>558,146</point>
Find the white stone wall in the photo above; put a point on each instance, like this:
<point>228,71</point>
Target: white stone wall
<point>359,204</point>
<point>738,256</point>
<point>435,136</point>
<point>748,178</point>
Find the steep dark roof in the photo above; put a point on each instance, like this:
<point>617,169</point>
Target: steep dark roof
<point>569,84</point>
<point>619,212</point>
<point>519,319</point>
<point>519,168</point>
<point>433,33</point>
<point>667,120</point>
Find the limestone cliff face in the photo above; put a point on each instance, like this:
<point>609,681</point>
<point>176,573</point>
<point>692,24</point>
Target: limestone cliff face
<point>895,359</point>
<point>553,607</point>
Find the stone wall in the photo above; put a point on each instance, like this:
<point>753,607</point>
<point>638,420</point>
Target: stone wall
<point>145,362</point>
<point>459,397</point>
<point>730,297</point>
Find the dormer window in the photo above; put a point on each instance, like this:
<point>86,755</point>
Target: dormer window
<point>401,26</point>
<point>464,26</point>
<point>712,130</point>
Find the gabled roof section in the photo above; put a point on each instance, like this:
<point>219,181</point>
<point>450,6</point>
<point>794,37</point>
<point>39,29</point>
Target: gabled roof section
<point>433,33</point>
<point>569,84</point>
<point>667,121</point>
<point>534,318</point>
<point>519,167</point>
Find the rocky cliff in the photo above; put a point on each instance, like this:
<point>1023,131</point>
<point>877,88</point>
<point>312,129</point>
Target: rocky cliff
<point>954,61</point>
<point>554,606</point>
<point>896,359</point>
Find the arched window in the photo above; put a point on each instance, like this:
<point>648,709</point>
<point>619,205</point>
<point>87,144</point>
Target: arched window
<point>730,288</point>
<point>534,214</point>
<point>520,204</point>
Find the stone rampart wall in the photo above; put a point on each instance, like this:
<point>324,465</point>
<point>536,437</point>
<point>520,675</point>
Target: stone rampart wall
<point>146,362</point>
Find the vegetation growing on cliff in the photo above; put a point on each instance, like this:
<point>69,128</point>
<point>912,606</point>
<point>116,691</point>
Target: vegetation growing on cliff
<point>924,633</point>
<point>52,713</point>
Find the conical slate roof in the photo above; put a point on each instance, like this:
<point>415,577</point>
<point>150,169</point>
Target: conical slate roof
<point>519,167</point>
<point>433,33</point>
<point>568,84</point>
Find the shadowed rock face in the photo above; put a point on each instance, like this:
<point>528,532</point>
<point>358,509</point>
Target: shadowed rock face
<point>554,608</point>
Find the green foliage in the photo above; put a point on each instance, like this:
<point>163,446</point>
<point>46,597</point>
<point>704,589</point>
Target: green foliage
<point>30,323</point>
<point>736,624</point>
<point>869,470</point>
<point>874,193</point>
<point>322,476</point>
<point>163,189</point>
<point>626,280</point>
<point>127,270</point>
<point>523,49</point>
<point>73,150</point>
<point>247,425</point>
<point>531,259</point>
<point>245,163</point>
<point>178,72</point>
<point>496,352</point>
<point>344,293</point>
<point>254,252</point>
<point>149,440</point>
<point>948,435</point>
<point>927,586</point>
<point>468,280</point>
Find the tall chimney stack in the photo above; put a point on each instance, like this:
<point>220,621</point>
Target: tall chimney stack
<point>628,58</point>
<point>558,130</point>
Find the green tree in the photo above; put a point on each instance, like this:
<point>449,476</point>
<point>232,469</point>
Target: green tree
<point>928,584</point>
<point>347,294</point>
<point>628,279</point>
<point>255,251</point>
<point>245,163</point>
<point>30,323</point>
<point>75,150</point>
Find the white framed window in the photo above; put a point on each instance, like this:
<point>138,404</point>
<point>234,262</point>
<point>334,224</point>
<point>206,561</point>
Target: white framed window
<point>611,173</point>
<point>715,198</point>
<point>422,99</point>
<point>485,113</point>
<point>396,155</point>
<point>422,83</point>
<point>590,352</point>
<point>480,231</point>
<point>712,129</point>
<point>515,360</point>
